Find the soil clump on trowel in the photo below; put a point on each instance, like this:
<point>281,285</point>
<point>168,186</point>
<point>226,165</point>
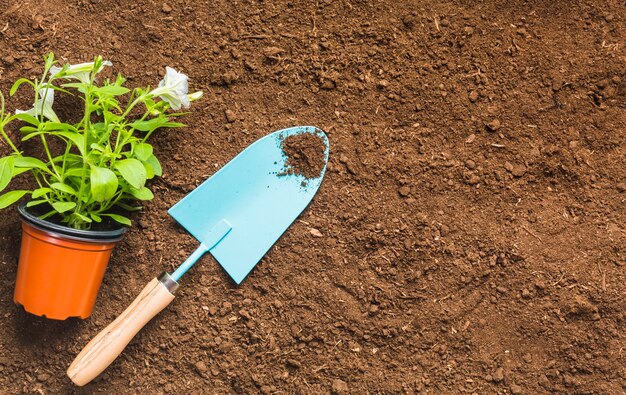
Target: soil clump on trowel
<point>305,155</point>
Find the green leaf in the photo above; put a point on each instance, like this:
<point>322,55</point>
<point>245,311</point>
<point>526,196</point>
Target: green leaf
<point>156,166</point>
<point>28,129</point>
<point>18,83</point>
<point>11,197</point>
<point>119,79</point>
<point>77,139</point>
<point>62,207</point>
<point>35,202</point>
<point>142,194</point>
<point>31,135</point>
<point>57,126</point>
<point>155,123</point>
<point>19,170</point>
<point>80,86</point>
<point>95,217</point>
<point>103,183</point>
<point>56,88</point>
<point>99,128</point>
<point>133,171</point>
<point>143,151</point>
<point>112,90</point>
<point>63,188</point>
<point>47,215</point>
<point>27,118</point>
<point>81,217</point>
<point>173,125</point>
<point>118,218</point>
<point>149,171</point>
<point>75,172</point>
<point>146,126</point>
<point>49,60</point>
<point>30,163</point>
<point>128,207</point>
<point>37,193</point>
<point>97,147</point>
<point>6,171</point>
<point>111,118</point>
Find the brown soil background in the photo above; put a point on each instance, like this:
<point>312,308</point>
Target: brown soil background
<point>472,217</point>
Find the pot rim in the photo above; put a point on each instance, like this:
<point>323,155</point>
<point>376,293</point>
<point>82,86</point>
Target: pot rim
<point>106,236</point>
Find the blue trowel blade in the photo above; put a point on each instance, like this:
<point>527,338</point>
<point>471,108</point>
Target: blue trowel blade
<point>251,193</point>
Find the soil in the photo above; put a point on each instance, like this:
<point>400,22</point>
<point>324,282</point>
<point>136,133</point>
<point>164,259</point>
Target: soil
<point>469,235</point>
<point>305,155</point>
<point>106,229</point>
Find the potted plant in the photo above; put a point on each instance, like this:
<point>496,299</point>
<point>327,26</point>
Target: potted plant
<point>90,173</point>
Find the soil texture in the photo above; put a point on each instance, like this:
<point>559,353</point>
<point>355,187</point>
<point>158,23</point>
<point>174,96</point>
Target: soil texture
<point>305,155</point>
<point>469,236</point>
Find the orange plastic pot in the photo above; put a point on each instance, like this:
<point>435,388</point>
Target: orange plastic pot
<point>60,269</point>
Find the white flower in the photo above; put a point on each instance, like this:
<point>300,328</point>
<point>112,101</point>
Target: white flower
<point>195,96</point>
<point>173,89</point>
<point>43,106</point>
<point>78,71</point>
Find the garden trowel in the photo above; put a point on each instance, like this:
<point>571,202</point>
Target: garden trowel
<point>237,215</point>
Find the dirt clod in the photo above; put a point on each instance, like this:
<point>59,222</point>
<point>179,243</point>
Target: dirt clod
<point>339,387</point>
<point>235,53</point>
<point>517,169</point>
<point>404,191</point>
<point>316,233</point>
<point>294,363</point>
<point>305,155</point>
<point>473,179</point>
<point>498,375</point>
<point>493,125</point>
<point>569,380</point>
<point>43,377</point>
<point>201,367</point>
<point>272,52</point>
<point>230,116</point>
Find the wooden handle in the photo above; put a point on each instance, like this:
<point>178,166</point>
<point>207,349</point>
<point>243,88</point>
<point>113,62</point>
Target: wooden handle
<point>111,341</point>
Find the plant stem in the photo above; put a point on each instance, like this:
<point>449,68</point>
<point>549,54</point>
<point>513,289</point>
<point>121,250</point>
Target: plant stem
<point>3,122</point>
<point>8,140</point>
<point>49,155</point>
<point>68,147</point>
<point>139,99</point>
<point>86,125</point>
